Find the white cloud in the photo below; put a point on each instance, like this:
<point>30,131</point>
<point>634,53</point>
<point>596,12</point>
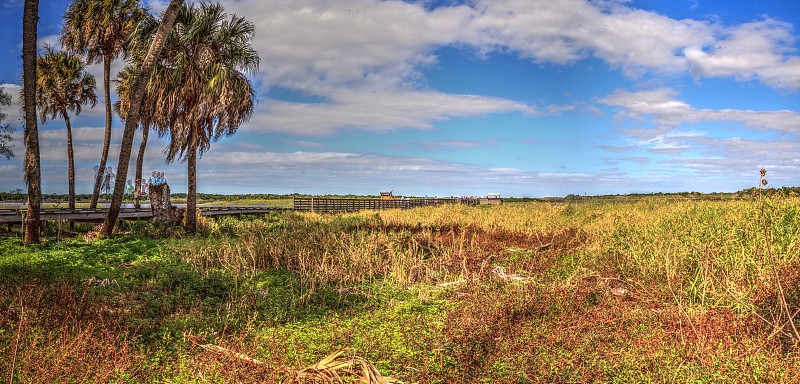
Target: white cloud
<point>566,31</point>
<point>363,56</point>
<point>759,50</point>
<point>49,40</point>
<point>695,150</point>
<point>326,162</point>
<point>782,150</point>
<point>454,144</point>
<point>344,172</point>
<point>366,57</point>
<point>311,45</point>
<point>12,4</point>
<point>303,144</point>
<point>378,112</point>
<point>79,134</point>
<point>637,159</point>
<point>14,111</point>
<point>315,44</point>
<point>157,6</point>
<point>669,112</point>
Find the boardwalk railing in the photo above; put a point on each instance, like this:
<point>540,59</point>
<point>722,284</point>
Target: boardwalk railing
<point>329,205</point>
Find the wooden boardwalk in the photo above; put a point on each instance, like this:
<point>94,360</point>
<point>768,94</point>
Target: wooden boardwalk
<point>308,204</point>
<point>14,216</point>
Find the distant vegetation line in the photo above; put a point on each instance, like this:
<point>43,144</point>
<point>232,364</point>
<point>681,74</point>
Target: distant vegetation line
<point>202,197</point>
<point>19,196</point>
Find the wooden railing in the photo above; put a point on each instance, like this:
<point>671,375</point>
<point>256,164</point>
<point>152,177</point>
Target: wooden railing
<point>329,205</point>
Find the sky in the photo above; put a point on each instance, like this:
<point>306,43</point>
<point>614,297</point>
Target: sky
<point>463,98</point>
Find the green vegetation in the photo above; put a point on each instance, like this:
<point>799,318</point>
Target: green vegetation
<point>257,198</point>
<point>658,290</point>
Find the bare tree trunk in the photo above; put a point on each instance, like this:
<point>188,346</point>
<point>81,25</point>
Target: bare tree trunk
<point>191,196</point>
<point>107,137</point>
<point>139,160</point>
<point>33,175</point>
<point>161,206</point>
<point>132,120</point>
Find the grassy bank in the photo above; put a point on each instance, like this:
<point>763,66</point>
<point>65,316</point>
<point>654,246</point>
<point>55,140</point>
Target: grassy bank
<point>652,291</point>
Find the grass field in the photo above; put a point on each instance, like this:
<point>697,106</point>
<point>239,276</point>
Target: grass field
<point>652,291</point>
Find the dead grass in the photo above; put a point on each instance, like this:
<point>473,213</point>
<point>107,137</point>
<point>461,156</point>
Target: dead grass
<point>61,334</point>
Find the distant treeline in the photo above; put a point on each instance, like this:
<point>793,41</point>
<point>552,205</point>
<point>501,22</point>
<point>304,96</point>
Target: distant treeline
<point>20,196</point>
<point>261,196</point>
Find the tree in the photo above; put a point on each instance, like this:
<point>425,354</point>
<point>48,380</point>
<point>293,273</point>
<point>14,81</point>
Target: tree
<point>147,111</point>
<point>33,175</point>
<point>62,86</point>
<point>208,94</point>
<point>5,130</point>
<point>99,30</point>
<point>132,120</point>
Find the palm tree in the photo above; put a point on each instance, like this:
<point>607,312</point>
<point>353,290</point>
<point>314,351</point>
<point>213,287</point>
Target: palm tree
<point>63,85</point>
<point>208,93</point>
<point>135,98</point>
<point>125,81</point>
<point>33,175</point>
<point>99,30</point>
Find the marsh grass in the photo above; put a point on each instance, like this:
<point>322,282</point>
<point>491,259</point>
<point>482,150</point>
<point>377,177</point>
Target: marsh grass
<point>648,291</point>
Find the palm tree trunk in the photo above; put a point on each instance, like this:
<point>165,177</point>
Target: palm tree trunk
<point>133,112</point>
<point>71,161</point>
<point>191,196</point>
<point>139,160</point>
<point>33,175</point>
<point>71,171</point>
<point>107,136</point>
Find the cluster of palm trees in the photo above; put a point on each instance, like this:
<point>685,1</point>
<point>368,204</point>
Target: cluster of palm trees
<point>184,78</point>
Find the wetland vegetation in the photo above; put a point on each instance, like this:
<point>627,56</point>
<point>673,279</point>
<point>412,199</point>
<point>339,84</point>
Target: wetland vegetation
<point>657,290</point>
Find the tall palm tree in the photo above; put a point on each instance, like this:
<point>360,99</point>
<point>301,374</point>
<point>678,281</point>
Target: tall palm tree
<point>147,111</point>
<point>33,174</point>
<point>208,94</point>
<point>99,30</point>
<point>63,85</point>
<point>135,98</point>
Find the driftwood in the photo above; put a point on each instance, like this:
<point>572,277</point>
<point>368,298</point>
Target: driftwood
<point>162,208</point>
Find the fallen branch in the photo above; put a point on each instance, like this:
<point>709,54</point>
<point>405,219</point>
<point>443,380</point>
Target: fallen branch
<point>229,353</point>
<point>451,283</point>
<point>501,273</point>
<point>543,246</point>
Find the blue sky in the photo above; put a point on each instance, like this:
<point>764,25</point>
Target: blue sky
<point>522,97</point>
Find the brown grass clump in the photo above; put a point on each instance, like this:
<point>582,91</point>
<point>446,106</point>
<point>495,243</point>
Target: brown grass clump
<point>334,368</point>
